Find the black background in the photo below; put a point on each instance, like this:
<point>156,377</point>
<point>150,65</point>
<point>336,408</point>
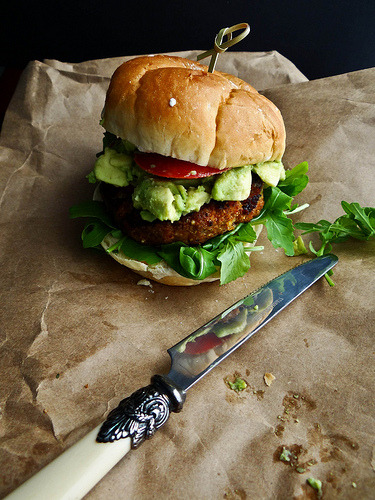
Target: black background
<point>322,38</point>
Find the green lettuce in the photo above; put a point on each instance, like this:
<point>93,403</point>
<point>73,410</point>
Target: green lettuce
<point>357,222</point>
<point>278,205</point>
<point>195,262</point>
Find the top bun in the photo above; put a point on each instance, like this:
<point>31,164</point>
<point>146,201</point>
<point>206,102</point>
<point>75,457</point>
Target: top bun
<point>175,107</point>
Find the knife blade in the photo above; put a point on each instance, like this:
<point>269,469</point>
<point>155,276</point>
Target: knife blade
<point>76,471</point>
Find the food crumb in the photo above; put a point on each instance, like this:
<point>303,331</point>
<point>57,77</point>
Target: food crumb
<point>316,484</point>
<point>238,385</point>
<point>286,455</point>
<point>172,102</point>
<point>144,283</point>
<point>269,378</point>
<point>86,386</point>
<point>299,246</point>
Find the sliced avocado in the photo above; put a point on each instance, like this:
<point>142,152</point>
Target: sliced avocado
<point>161,199</point>
<point>196,197</point>
<point>234,184</point>
<point>299,246</point>
<point>114,168</point>
<point>235,325</point>
<point>271,172</point>
<point>167,200</point>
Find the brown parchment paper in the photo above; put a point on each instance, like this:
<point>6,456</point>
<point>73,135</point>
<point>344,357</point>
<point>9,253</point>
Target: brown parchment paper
<point>78,334</point>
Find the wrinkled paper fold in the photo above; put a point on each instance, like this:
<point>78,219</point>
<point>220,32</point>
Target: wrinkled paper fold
<point>78,333</point>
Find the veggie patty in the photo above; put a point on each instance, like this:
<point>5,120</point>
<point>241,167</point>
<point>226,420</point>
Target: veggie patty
<point>195,228</point>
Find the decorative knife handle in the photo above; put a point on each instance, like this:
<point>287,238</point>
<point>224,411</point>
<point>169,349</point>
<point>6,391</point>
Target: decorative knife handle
<point>78,469</point>
<point>142,413</point>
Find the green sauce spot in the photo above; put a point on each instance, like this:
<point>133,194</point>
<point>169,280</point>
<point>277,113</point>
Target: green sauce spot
<point>238,385</point>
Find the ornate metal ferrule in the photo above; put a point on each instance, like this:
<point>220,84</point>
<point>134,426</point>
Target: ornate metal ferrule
<point>142,413</point>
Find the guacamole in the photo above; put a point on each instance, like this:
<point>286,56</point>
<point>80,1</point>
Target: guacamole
<point>167,199</point>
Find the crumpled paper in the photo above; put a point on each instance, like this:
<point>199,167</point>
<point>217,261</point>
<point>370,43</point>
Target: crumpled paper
<point>78,333</point>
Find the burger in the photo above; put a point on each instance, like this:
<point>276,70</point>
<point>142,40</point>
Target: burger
<point>187,158</point>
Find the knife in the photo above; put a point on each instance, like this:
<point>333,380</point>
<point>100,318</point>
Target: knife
<point>76,471</point>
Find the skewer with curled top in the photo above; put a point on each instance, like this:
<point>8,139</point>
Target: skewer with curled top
<point>220,47</point>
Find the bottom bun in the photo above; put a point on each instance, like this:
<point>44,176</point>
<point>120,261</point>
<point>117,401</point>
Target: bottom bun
<point>162,272</point>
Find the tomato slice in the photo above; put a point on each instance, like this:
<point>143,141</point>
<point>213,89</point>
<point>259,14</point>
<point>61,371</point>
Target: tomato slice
<point>165,166</point>
<point>203,344</point>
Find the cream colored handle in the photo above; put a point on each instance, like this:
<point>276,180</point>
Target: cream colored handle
<point>75,472</point>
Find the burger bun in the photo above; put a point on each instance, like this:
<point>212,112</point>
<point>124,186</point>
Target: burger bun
<point>161,272</point>
<point>175,107</point>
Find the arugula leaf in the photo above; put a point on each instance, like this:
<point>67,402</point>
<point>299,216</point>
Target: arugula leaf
<point>344,229</point>
<point>363,217</point>
<point>191,262</point>
<point>295,179</point>
<point>357,222</point>
<point>95,209</point>
<point>234,261</point>
<point>171,254</point>
<point>275,199</point>
<point>279,227</point>
<point>138,251</point>
<point>197,261</point>
<point>243,232</point>
<point>93,233</point>
<point>120,145</point>
<point>278,205</point>
<point>280,232</point>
